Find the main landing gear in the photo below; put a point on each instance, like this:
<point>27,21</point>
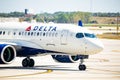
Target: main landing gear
<point>28,62</point>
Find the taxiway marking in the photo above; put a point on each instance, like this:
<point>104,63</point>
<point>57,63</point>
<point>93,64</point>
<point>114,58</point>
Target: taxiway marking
<point>21,75</point>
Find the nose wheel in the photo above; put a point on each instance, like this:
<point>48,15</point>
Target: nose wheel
<point>81,66</point>
<point>28,62</point>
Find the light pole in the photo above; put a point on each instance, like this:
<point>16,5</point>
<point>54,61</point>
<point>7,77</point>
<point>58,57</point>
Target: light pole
<point>117,23</point>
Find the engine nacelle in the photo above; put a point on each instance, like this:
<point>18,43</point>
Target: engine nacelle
<point>65,58</point>
<point>7,53</point>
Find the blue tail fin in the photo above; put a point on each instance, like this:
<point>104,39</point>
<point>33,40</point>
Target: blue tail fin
<point>80,23</point>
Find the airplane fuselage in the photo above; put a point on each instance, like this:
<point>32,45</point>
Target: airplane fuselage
<point>64,42</point>
<point>59,38</point>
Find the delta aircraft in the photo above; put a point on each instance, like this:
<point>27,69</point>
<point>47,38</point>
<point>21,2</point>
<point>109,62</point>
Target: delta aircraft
<point>66,43</point>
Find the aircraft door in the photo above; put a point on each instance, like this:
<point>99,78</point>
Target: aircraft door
<point>64,35</point>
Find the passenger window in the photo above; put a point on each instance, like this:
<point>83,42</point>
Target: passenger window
<point>0,32</point>
<point>50,34</point>
<point>19,33</point>
<point>37,33</point>
<point>8,32</point>
<point>4,33</point>
<point>53,34</point>
<point>40,33</point>
<point>25,33</point>
<point>34,33</point>
<point>31,33</point>
<point>28,33</point>
<point>43,34</point>
<point>46,34</point>
<point>22,33</point>
<point>79,35</point>
<point>14,33</point>
<point>56,34</point>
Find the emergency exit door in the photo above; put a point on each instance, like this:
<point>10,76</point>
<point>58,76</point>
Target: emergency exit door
<point>64,37</point>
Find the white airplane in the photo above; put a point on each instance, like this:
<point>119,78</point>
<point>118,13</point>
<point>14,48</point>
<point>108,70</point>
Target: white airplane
<point>64,42</point>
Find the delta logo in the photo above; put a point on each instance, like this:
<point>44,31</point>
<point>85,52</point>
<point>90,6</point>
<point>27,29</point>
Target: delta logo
<point>28,28</point>
<point>41,28</point>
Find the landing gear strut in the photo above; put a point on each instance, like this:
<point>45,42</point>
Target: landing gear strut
<point>81,66</point>
<point>28,62</point>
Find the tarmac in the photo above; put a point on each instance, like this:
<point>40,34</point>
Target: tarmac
<point>102,66</point>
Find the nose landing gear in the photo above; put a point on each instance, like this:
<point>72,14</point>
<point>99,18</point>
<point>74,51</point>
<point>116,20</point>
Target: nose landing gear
<point>81,66</point>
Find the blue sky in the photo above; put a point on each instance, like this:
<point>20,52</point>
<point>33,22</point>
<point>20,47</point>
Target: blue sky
<point>51,6</point>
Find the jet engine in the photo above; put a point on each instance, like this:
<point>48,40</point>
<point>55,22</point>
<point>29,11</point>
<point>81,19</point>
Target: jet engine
<point>7,53</point>
<point>65,58</point>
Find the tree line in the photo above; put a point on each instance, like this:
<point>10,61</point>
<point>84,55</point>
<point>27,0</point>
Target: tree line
<point>60,17</point>
<point>64,17</point>
<point>105,14</point>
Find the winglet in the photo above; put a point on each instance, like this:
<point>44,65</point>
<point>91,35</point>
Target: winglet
<point>80,23</point>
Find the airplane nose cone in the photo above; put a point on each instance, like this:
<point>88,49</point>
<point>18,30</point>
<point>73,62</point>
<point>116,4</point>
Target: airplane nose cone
<point>94,47</point>
<point>99,47</point>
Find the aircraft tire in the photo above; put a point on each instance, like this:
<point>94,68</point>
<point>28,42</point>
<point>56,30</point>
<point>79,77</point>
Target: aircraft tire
<point>25,62</point>
<point>82,67</point>
<point>31,63</point>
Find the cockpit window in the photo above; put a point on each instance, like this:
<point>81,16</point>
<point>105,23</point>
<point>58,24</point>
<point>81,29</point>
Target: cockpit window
<point>79,35</point>
<point>89,35</point>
